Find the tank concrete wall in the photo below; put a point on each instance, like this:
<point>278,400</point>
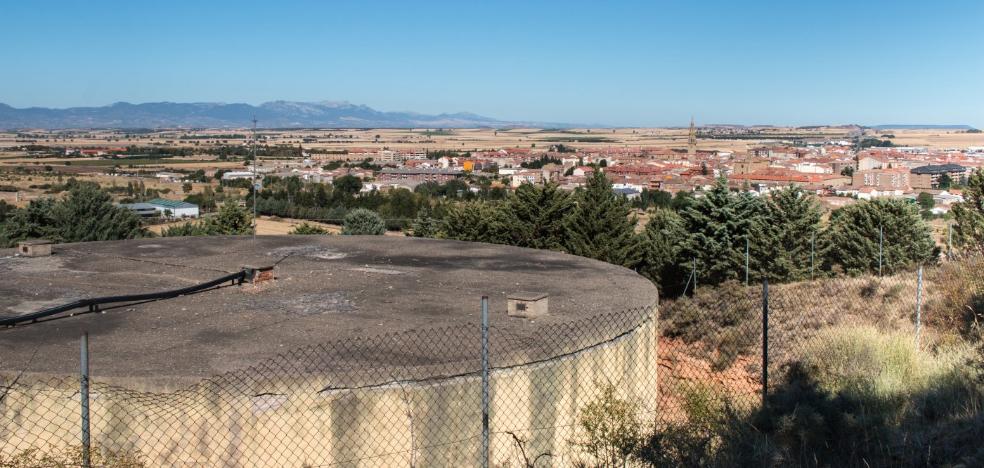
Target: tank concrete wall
<point>433,423</point>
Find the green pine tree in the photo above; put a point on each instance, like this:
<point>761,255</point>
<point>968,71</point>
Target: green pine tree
<point>601,226</point>
<point>88,214</point>
<point>968,232</point>
<point>476,222</point>
<point>718,223</point>
<point>753,225</point>
<point>85,214</point>
<point>425,225</point>
<point>792,220</point>
<point>539,216</point>
<point>661,242</point>
<point>35,221</point>
<point>231,220</point>
<point>851,239</point>
<point>361,221</point>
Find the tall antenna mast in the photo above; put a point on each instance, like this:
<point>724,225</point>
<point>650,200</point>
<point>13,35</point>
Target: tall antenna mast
<point>255,192</point>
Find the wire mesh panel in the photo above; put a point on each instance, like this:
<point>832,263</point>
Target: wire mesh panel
<point>800,312</point>
<point>710,347</point>
<point>840,350</point>
<point>39,418</point>
<point>641,386</point>
<point>404,399</point>
<point>544,389</point>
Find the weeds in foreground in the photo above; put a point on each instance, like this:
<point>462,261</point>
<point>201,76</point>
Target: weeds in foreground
<point>610,427</point>
<point>71,457</point>
<point>854,397</point>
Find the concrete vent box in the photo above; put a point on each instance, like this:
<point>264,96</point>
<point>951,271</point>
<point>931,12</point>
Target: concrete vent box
<point>259,274</point>
<point>34,248</point>
<point>527,304</point>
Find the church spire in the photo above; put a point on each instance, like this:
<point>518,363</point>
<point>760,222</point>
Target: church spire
<point>692,140</point>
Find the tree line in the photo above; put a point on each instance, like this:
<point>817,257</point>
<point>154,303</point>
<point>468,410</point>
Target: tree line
<point>784,232</point>
<point>291,197</point>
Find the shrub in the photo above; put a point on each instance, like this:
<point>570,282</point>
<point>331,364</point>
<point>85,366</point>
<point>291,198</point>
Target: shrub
<point>856,396</point>
<point>610,427</point>
<point>955,293</point>
<point>361,221</point>
<point>86,214</point>
<point>723,320</point>
<point>231,220</point>
<point>694,441</point>
<point>884,371</point>
<point>861,397</point>
<point>305,229</point>
<point>425,226</point>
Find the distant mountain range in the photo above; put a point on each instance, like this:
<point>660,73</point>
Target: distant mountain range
<point>276,114</point>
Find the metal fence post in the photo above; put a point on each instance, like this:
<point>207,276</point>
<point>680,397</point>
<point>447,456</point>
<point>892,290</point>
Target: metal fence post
<point>765,340</point>
<point>881,241</point>
<point>949,241</point>
<point>813,249</point>
<point>84,398</point>
<point>919,286</point>
<point>485,381</point>
<point>695,275</point>
<point>746,260</point>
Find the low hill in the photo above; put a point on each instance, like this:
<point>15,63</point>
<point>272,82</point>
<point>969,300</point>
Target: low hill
<point>275,114</point>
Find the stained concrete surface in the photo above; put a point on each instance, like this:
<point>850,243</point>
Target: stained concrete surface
<point>328,289</point>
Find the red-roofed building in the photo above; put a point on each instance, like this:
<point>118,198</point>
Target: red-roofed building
<point>883,179</point>
<point>773,177</point>
<point>583,171</point>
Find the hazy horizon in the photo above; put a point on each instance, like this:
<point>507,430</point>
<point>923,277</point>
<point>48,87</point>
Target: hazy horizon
<point>631,64</point>
<point>942,125</point>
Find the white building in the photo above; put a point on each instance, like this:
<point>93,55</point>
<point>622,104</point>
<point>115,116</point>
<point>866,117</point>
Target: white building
<point>162,208</point>
<point>526,176</point>
<point>233,175</point>
<point>176,209</point>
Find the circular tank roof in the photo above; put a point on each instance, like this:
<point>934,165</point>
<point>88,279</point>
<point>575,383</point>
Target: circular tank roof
<point>327,289</point>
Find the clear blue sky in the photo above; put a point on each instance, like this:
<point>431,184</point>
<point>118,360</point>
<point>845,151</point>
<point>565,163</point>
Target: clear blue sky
<point>619,63</point>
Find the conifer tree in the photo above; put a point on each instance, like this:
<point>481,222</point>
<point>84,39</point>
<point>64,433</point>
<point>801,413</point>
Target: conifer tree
<point>968,232</point>
<point>792,220</point>
<point>661,242</point>
<point>476,222</point>
<point>852,237</point>
<point>425,225</point>
<point>538,217</point>
<point>86,214</point>
<point>601,227</point>
<point>719,223</point>
<point>231,220</point>
<point>753,225</point>
<point>34,221</point>
<point>363,222</point>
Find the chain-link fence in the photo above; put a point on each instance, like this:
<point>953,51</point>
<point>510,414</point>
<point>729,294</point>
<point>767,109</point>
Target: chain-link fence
<point>407,399</point>
<point>591,392</point>
<point>733,348</point>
